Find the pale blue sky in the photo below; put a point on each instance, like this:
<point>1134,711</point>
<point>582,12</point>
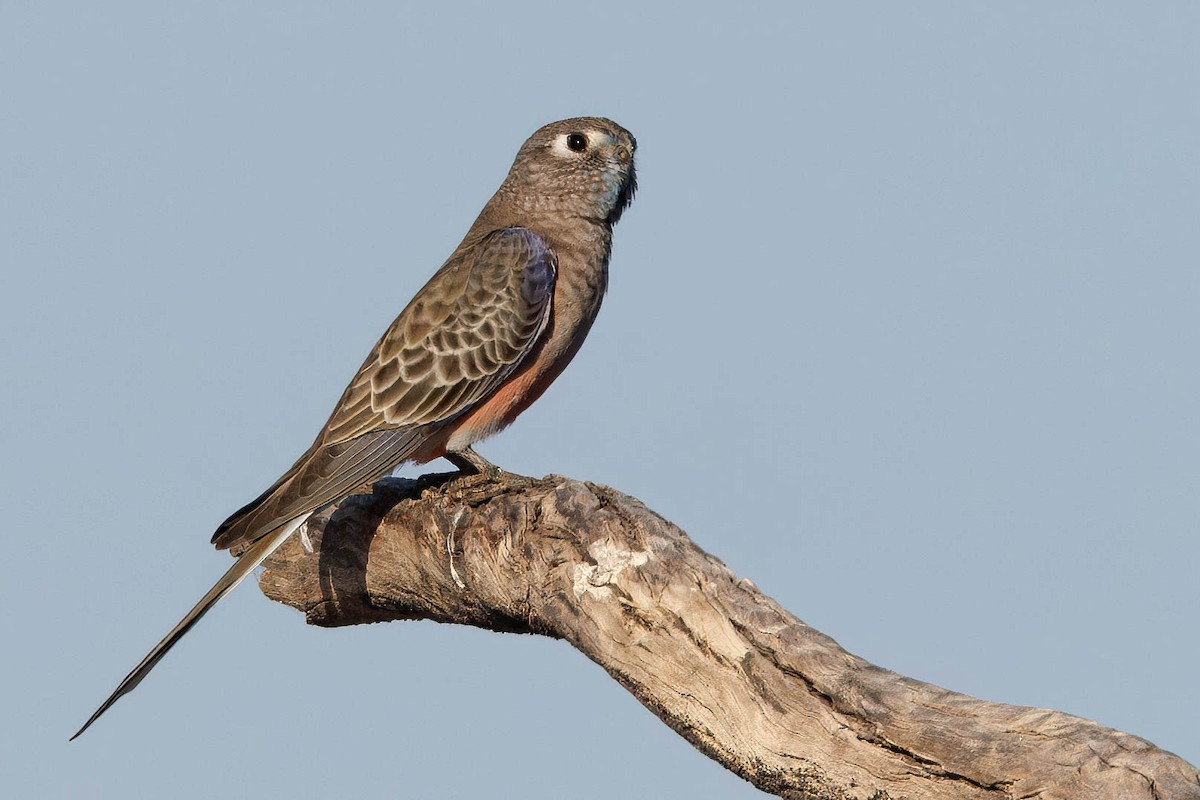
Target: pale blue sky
<point>902,326</point>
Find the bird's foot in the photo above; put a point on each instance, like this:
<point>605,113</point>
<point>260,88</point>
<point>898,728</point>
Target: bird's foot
<point>471,463</point>
<point>481,479</point>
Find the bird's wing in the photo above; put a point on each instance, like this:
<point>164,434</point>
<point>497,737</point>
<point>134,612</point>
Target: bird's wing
<point>454,345</point>
<point>457,340</point>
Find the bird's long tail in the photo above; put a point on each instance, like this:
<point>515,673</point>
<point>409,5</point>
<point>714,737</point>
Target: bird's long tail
<point>254,555</point>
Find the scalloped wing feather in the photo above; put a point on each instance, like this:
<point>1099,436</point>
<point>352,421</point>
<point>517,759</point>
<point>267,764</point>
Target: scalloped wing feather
<point>453,346</point>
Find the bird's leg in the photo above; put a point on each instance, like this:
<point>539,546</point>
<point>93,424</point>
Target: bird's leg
<point>478,473</point>
<point>471,463</point>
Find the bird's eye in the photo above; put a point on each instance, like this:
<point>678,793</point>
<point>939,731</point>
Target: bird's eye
<point>576,142</point>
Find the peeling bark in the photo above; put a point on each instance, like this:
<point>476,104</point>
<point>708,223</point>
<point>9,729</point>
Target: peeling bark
<point>777,702</point>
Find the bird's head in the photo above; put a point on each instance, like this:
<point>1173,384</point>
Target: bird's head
<point>582,166</point>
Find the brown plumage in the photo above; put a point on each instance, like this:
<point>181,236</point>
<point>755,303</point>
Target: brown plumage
<point>473,349</point>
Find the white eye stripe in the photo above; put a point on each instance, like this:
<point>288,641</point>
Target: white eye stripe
<point>594,138</point>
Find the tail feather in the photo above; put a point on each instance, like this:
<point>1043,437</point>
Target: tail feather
<point>254,555</point>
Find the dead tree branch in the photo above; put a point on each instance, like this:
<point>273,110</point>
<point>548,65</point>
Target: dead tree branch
<point>748,684</point>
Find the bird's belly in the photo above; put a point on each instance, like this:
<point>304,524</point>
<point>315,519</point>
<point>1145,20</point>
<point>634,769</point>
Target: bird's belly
<point>498,411</point>
<point>521,389</point>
